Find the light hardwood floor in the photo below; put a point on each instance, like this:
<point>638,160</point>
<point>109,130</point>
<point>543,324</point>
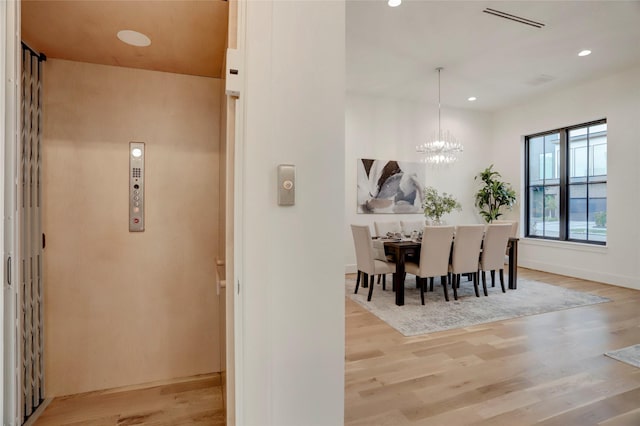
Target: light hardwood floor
<point>195,401</point>
<point>546,369</point>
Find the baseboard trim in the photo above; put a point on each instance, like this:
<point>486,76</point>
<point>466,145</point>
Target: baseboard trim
<point>350,269</point>
<point>585,274</point>
<point>36,414</point>
<point>147,385</point>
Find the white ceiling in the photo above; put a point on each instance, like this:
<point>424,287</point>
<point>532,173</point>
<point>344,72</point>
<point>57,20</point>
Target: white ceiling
<point>395,51</point>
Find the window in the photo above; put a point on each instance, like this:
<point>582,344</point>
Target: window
<point>566,181</point>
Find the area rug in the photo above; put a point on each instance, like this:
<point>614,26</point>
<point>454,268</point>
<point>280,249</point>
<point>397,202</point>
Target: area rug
<point>630,355</point>
<point>412,319</point>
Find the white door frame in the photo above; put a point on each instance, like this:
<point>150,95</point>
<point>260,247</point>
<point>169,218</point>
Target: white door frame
<point>238,227</point>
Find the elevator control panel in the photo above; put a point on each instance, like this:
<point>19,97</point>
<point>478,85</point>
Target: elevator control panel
<point>136,186</point>
<point>286,185</point>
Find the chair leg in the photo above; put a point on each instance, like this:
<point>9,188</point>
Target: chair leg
<point>443,282</point>
<point>365,281</point>
<point>371,285</point>
<point>454,285</point>
<point>384,281</point>
<point>358,282</point>
<point>431,284</point>
<point>502,280</point>
<point>379,275</point>
<point>475,283</point>
<point>484,283</point>
<point>423,284</point>
<point>493,278</point>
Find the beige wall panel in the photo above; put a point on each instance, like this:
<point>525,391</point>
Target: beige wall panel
<point>187,36</point>
<point>123,308</point>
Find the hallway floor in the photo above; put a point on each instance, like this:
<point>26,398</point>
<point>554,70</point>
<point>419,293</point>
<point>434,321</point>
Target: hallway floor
<point>194,401</point>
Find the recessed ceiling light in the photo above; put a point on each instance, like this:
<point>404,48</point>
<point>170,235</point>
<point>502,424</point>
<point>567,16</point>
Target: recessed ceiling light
<point>584,53</point>
<point>472,98</point>
<point>134,38</point>
<point>394,3</point>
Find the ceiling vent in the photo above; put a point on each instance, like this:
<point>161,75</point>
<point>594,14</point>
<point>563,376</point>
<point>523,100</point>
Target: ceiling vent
<point>514,18</point>
<point>540,79</point>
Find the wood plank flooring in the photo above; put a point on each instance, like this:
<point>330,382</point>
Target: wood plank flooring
<point>194,401</point>
<point>546,369</point>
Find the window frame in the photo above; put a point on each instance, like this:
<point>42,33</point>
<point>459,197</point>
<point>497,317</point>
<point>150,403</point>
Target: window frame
<point>564,183</point>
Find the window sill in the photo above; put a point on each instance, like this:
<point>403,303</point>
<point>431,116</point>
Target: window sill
<point>570,245</point>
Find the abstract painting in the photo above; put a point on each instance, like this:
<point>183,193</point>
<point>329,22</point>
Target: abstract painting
<point>390,186</point>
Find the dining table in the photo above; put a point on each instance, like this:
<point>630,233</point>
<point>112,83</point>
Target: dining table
<point>400,249</point>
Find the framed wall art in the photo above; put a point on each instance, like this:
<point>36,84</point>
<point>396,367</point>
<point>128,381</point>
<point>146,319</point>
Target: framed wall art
<point>390,186</point>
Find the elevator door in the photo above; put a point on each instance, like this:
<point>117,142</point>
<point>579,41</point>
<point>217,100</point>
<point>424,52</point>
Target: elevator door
<point>30,337</point>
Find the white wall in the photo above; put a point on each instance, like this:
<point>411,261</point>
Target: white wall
<point>616,98</point>
<point>390,129</point>
<point>292,282</point>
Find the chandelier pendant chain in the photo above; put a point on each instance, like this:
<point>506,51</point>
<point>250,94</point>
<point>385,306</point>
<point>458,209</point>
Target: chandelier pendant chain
<point>439,107</point>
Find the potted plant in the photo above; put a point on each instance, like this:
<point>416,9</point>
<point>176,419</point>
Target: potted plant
<point>436,205</point>
<point>493,194</point>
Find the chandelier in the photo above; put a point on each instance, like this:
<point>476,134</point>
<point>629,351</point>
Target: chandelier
<point>443,148</point>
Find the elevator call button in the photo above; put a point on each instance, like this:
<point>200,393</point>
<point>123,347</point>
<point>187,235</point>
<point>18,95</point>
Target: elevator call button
<point>136,186</point>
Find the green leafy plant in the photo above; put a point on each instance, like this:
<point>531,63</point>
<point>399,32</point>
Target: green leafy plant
<point>600,219</point>
<point>493,195</point>
<point>436,205</point>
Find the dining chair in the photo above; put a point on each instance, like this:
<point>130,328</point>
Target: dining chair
<point>408,226</point>
<point>434,258</point>
<point>514,226</point>
<point>367,263</point>
<point>514,234</point>
<point>382,228</point>
<point>380,254</point>
<point>494,245</point>
<point>465,255</point>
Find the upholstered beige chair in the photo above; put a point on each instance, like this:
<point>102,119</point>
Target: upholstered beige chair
<point>465,255</point>
<point>514,234</point>
<point>408,226</point>
<point>496,238</point>
<point>382,228</point>
<point>434,258</point>
<point>366,262</point>
<point>514,226</point>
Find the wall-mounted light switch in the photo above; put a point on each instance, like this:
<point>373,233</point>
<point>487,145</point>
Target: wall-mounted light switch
<point>286,185</point>
<point>136,186</point>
